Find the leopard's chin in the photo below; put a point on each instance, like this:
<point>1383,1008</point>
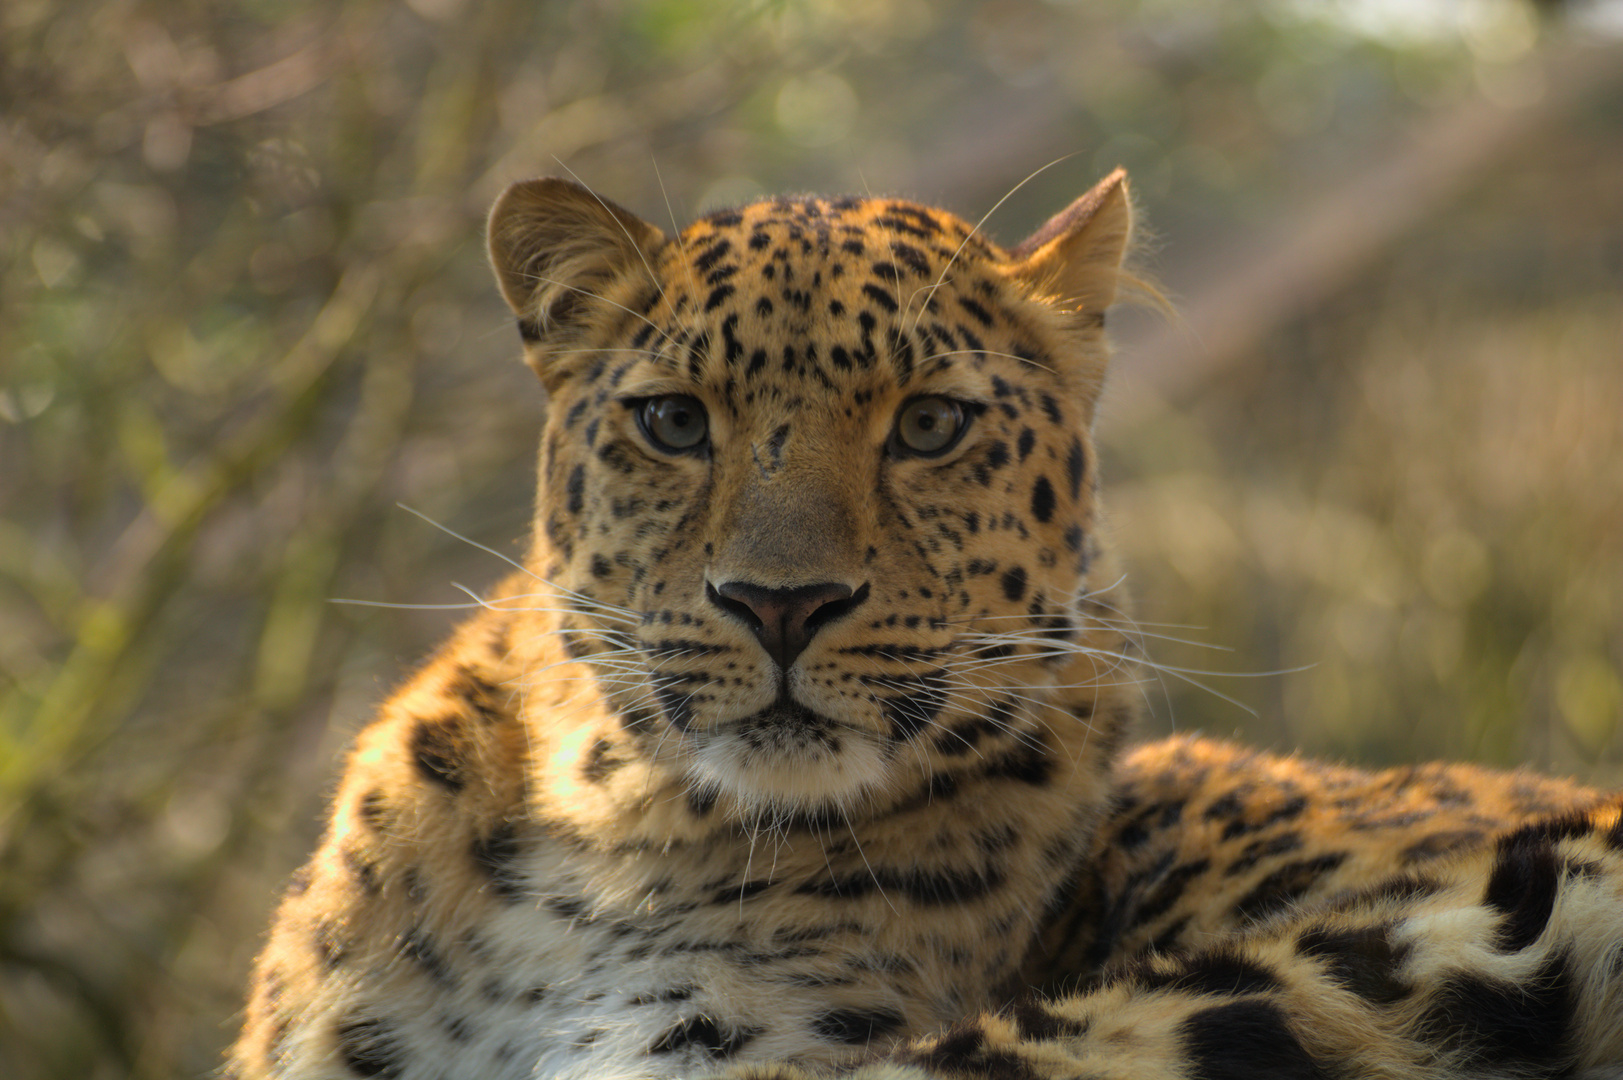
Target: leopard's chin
<point>789,759</point>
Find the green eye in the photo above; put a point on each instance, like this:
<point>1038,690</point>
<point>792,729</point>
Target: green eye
<point>673,423</point>
<point>929,425</point>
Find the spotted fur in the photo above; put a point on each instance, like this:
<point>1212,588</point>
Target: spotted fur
<point>794,746</point>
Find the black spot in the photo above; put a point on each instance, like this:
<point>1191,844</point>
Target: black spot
<point>565,907</point>
<point>879,296</point>
<point>601,762</point>
<point>576,489</point>
<point>1014,583</point>
<point>1169,890</point>
<point>475,691</point>
<point>893,222</point>
<point>701,801</point>
<point>678,707</point>
<point>361,866</point>
<point>930,888</point>
<point>374,811</point>
<point>418,947</point>
<point>729,892</point>
<point>702,1033</point>
<point>909,713</point>
<point>912,256</point>
<point>1246,1040</point>
<point>1441,843</point>
<point>1220,971</point>
<point>1402,888</point>
<point>973,306</point>
<point>1227,805</point>
<point>1286,811</point>
<point>1026,443</point>
<point>856,1027</point>
<point>962,1052</point>
<point>1286,885</point>
<point>460,1028</point>
<point>436,747</point>
<point>1363,960</point>
<point>1526,876</point>
<point>1171,938</point>
<point>713,254</point>
<point>1266,848</point>
<point>1075,467</point>
<point>718,296</point>
<point>601,567</point>
<point>1491,1023</point>
<point>370,1047</point>
<point>1042,499</point>
<point>1033,1021</point>
<point>1027,764</point>
<point>497,854</point>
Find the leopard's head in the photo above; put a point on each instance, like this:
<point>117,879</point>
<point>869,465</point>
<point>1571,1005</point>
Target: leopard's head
<point>818,492</point>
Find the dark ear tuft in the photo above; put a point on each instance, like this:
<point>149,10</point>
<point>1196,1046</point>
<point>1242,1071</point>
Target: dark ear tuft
<point>554,244</point>
<point>1074,259</point>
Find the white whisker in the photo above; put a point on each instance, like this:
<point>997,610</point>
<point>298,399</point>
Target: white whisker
<point>943,275</point>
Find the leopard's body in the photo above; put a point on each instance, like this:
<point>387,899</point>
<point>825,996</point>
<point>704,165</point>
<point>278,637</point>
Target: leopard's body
<point>797,741</point>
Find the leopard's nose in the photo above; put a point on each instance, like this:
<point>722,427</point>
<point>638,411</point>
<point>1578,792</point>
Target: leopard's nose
<point>784,620</point>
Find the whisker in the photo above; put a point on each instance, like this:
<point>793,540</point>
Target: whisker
<point>982,221</point>
<point>597,296</point>
<point>987,352</point>
<point>629,239</point>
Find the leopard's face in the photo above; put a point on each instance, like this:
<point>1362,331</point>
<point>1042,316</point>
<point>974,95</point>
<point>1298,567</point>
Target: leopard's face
<point>818,492</point>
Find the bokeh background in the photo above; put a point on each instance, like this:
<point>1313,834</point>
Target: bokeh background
<point>1373,476</point>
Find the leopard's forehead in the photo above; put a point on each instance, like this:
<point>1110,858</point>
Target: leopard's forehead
<point>841,293</point>
<point>850,227</point>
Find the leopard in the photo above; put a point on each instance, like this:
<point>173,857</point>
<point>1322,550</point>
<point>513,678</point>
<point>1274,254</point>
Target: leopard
<point>797,743</point>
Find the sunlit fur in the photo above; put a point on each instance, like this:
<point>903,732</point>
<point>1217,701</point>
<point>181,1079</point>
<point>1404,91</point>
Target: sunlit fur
<point>612,830</point>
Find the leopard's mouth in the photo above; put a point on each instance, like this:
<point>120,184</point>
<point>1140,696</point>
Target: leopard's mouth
<point>787,756</point>
<point>787,725</point>
<point>785,713</point>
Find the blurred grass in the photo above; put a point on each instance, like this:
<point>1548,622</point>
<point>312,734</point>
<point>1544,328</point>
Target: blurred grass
<point>244,312</point>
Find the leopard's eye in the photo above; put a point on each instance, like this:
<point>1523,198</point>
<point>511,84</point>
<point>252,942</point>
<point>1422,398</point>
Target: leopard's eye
<point>929,425</point>
<point>674,423</point>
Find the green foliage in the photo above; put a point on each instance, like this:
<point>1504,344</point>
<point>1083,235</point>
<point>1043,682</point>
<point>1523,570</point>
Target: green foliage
<point>243,313</point>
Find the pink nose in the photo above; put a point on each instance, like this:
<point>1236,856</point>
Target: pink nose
<point>784,620</point>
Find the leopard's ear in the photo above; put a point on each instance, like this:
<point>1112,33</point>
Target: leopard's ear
<point>1074,260</point>
<point>555,245</point>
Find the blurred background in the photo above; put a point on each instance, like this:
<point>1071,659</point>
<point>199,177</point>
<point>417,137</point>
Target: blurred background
<point>1372,474</point>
